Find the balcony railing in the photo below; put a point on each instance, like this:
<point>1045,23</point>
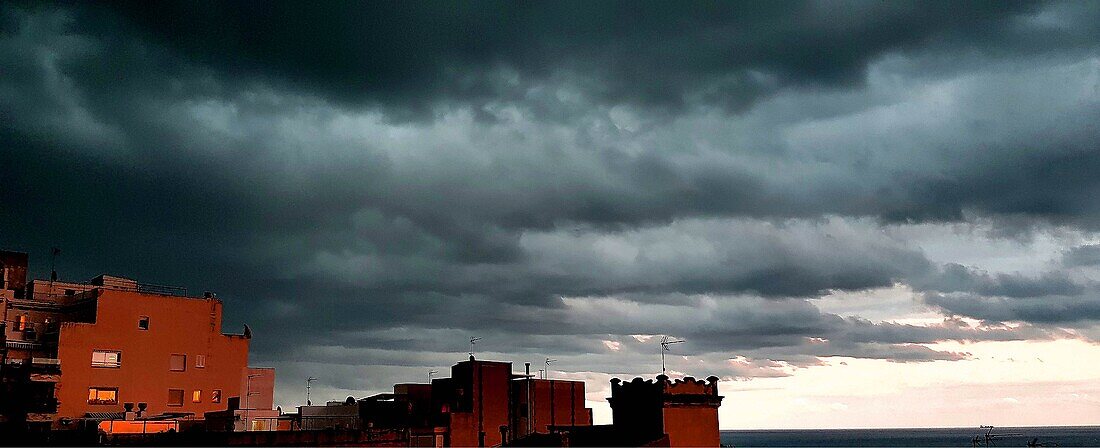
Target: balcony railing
<point>45,362</point>
<point>22,345</point>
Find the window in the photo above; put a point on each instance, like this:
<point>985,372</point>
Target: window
<point>216,396</point>
<point>200,361</point>
<point>106,358</point>
<point>175,397</point>
<point>21,323</point>
<point>196,396</point>
<point>102,395</point>
<point>177,363</point>
<point>143,323</point>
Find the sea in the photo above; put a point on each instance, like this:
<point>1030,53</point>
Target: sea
<point>1062,436</point>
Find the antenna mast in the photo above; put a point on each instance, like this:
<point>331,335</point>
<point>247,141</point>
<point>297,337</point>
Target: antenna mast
<point>54,252</point>
<point>308,386</point>
<point>548,361</point>
<point>665,342</point>
<point>472,342</point>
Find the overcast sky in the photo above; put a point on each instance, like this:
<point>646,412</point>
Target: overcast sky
<point>857,214</point>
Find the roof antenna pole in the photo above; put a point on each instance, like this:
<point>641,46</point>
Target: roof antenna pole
<point>430,373</point>
<point>472,342</point>
<point>665,342</point>
<point>548,361</point>
<point>308,381</point>
<point>54,252</point>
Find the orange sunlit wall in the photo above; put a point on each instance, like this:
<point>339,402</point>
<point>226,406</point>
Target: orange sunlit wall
<point>166,351</point>
<point>691,412</point>
<point>258,388</point>
<point>552,403</point>
<point>482,405</point>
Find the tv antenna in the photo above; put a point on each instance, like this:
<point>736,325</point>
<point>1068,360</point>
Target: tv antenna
<point>547,370</point>
<point>472,342</point>
<point>990,438</point>
<point>309,382</point>
<point>430,373</point>
<point>665,342</point>
<point>54,252</point>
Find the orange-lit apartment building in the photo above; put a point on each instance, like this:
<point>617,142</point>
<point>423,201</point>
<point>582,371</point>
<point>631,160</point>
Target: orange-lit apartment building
<point>115,349</point>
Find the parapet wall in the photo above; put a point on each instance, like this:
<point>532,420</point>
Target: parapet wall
<point>665,387</point>
<point>685,410</point>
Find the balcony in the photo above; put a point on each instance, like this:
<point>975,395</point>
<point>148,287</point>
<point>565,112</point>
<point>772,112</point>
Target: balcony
<point>41,405</point>
<point>45,377</point>
<point>41,417</point>
<point>22,345</point>
<point>46,362</point>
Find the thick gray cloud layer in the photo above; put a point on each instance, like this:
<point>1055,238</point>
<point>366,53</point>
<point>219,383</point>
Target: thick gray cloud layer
<point>371,184</point>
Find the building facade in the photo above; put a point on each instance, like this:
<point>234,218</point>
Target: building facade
<point>680,413</point>
<point>482,403</point>
<point>115,349</point>
<point>685,411</point>
<point>164,351</point>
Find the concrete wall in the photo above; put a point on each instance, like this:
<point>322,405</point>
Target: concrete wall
<point>259,391</point>
<point>553,403</point>
<point>691,426</point>
<point>485,388</point>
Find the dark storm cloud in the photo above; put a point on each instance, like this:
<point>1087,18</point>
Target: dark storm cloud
<point>1061,310</point>
<point>651,53</point>
<point>377,182</point>
<point>954,277</point>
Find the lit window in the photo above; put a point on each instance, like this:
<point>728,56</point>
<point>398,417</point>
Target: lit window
<point>216,396</point>
<point>175,397</point>
<point>177,363</point>
<point>200,361</point>
<point>21,323</point>
<point>102,395</point>
<point>196,396</point>
<point>143,323</point>
<point>106,358</point>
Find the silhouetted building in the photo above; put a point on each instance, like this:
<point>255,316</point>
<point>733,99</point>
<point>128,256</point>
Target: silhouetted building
<point>339,415</point>
<point>541,404</point>
<point>482,403</point>
<point>647,413</point>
